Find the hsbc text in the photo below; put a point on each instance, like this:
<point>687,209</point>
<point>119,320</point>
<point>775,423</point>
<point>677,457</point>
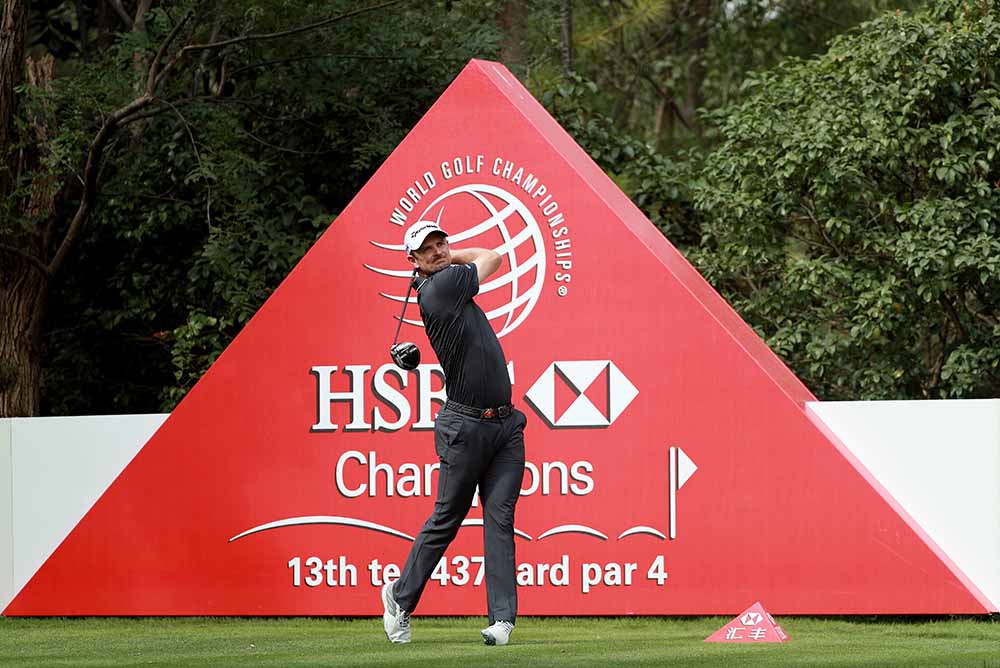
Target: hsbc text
<point>392,410</point>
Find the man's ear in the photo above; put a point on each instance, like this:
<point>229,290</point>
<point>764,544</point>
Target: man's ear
<point>412,260</point>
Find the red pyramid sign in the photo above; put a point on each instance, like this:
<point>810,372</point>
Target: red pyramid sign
<point>754,625</point>
<point>293,477</point>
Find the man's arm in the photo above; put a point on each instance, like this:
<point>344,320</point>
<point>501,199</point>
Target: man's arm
<point>486,261</point>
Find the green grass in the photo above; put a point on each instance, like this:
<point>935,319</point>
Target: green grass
<point>447,642</point>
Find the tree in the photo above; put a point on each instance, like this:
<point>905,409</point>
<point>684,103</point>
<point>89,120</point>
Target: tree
<point>851,211</point>
<point>657,63</point>
<point>188,110</point>
<point>23,278</point>
<point>511,19</point>
<point>204,215</point>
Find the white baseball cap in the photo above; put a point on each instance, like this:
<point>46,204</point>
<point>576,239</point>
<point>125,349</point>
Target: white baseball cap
<point>418,231</point>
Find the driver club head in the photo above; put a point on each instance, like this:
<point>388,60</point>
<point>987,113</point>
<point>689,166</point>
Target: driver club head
<point>406,355</point>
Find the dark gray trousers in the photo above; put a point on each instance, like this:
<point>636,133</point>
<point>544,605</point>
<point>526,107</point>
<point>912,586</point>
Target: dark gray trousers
<point>484,452</point>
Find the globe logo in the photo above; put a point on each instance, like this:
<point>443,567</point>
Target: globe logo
<point>485,216</point>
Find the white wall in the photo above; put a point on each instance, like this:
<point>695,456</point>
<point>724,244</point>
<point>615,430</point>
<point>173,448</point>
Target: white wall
<point>6,517</point>
<point>57,469</point>
<point>940,460</point>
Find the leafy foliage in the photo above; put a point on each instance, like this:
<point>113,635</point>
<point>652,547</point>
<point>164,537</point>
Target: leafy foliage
<point>851,209</point>
<point>845,204</point>
<point>656,183</point>
<point>656,63</point>
<point>209,206</point>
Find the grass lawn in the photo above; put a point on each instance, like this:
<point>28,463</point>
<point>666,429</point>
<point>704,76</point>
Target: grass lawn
<point>446,642</point>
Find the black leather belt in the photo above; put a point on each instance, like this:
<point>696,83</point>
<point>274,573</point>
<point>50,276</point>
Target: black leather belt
<point>472,411</point>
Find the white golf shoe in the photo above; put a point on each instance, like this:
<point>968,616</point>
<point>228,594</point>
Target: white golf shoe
<point>498,633</point>
<point>395,620</point>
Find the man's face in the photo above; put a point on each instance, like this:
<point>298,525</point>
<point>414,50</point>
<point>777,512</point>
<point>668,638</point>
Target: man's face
<point>433,255</point>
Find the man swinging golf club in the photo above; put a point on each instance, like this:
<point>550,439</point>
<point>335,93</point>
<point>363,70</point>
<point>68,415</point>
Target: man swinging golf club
<point>478,435</point>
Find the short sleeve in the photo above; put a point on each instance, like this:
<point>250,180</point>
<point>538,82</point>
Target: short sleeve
<point>455,285</point>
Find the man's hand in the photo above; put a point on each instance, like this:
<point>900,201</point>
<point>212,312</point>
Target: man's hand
<point>486,261</point>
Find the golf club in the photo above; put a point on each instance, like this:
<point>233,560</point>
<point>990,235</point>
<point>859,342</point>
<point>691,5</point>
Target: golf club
<point>406,355</point>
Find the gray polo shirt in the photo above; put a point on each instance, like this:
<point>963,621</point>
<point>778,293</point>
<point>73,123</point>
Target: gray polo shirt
<point>475,370</point>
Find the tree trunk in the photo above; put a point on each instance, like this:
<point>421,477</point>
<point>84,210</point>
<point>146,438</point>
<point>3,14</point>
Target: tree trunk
<point>663,124</point>
<point>512,21</point>
<point>24,281</point>
<point>23,294</point>
<point>83,29</point>
<point>566,42</point>
<point>12,26</point>
<point>140,65</point>
<point>698,24</point>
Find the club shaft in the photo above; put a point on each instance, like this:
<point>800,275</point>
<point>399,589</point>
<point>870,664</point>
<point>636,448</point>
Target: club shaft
<point>403,314</point>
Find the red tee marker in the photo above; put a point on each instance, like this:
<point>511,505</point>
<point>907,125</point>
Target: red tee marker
<point>754,625</point>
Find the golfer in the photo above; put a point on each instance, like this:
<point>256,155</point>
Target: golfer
<point>478,435</point>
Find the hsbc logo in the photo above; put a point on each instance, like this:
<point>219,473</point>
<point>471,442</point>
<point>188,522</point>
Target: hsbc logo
<point>482,215</point>
<point>751,619</point>
<point>593,382</point>
<point>489,202</point>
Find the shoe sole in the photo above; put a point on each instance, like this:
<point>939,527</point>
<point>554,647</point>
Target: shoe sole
<point>490,639</point>
<point>386,617</point>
